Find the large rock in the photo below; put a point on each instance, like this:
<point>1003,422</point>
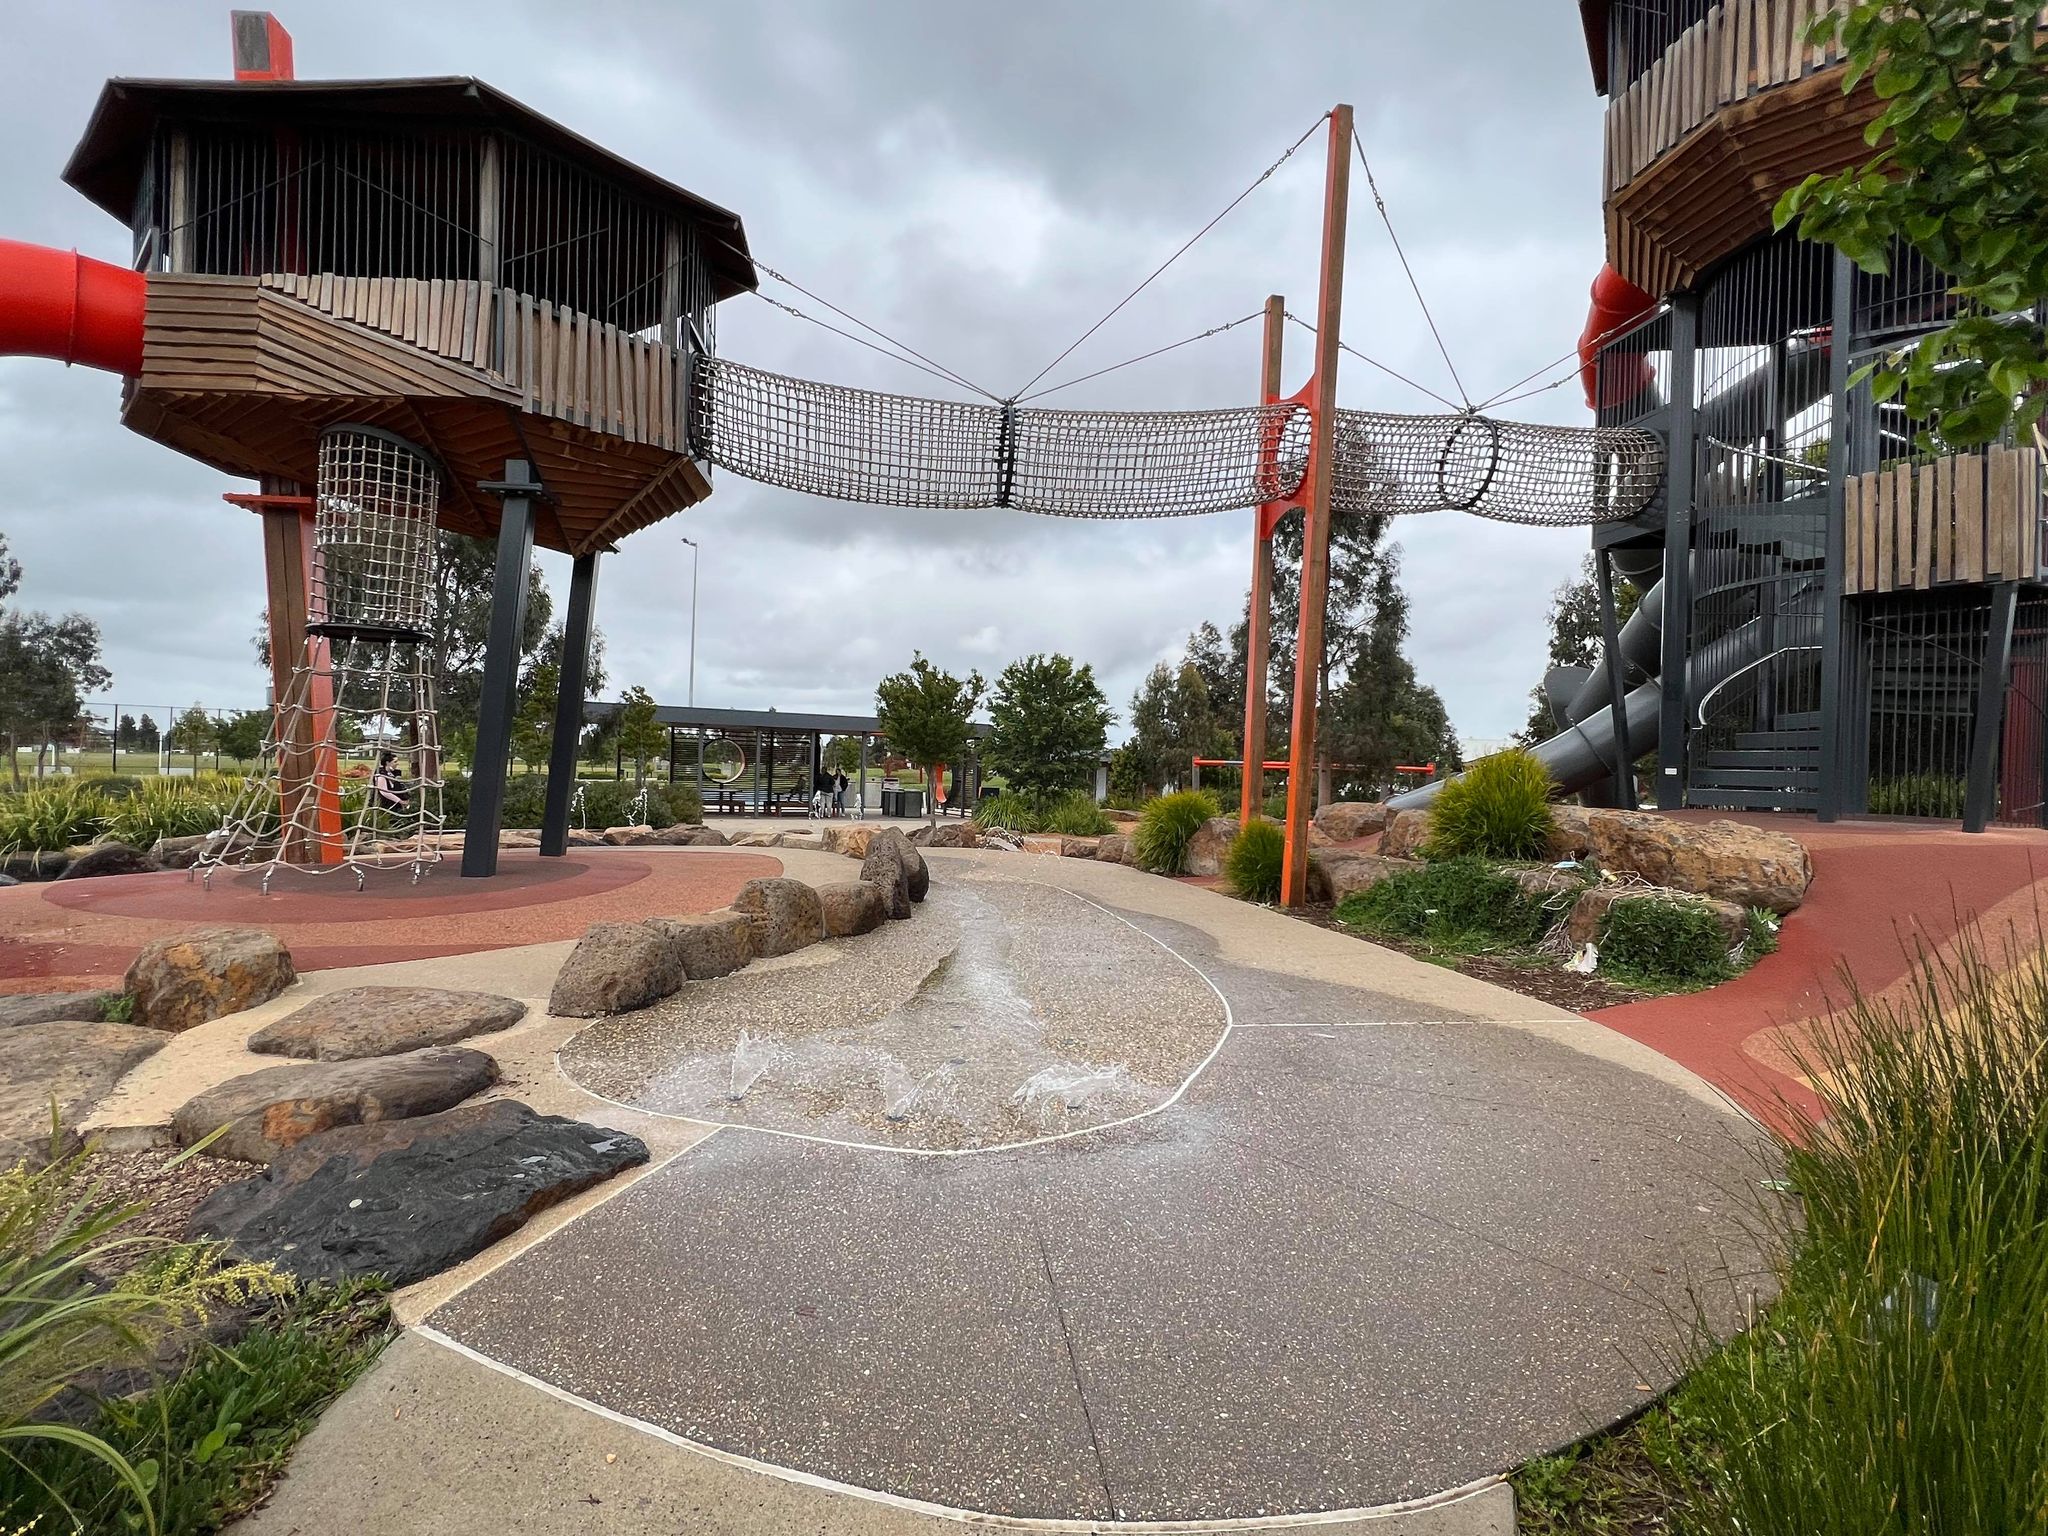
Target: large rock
<point>1080,847</point>
<point>851,906</point>
<point>1548,885</point>
<point>627,837</point>
<point>686,835</point>
<point>384,1021</point>
<point>1210,845</point>
<point>270,1111</point>
<point>1113,849</point>
<point>784,914</point>
<point>110,859</point>
<point>892,861</point>
<point>1334,874</point>
<point>1589,913</point>
<point>615,968</point>
<point>709,944</point>
<point>1347,820</point>
<point>1407,833</point>
<point>190,978</point>
<point>407,1198</point>
<point>852,841</point>
<point>920,875</point>
<point>70,1065</point>
<point>954,834</point>
<point>1571,832</point>
<point>1749,866</point>
<point>53,1007</point>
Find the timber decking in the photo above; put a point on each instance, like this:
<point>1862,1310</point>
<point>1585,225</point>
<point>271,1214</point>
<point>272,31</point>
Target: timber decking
<point>1972,517</point>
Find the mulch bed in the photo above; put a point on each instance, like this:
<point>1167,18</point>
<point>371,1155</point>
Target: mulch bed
<point>1547,982</point>
<point>170,1195</point>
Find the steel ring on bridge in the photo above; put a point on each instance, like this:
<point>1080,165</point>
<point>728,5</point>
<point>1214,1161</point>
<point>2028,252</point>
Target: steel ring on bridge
<point>1480,438</point>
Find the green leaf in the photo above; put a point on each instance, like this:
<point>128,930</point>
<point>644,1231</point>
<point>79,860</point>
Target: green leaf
<point>1899,74</point>
<point>1944,128</point>
<point>1886,385</point>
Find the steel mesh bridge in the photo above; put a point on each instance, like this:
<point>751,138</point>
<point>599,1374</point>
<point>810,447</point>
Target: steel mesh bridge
<point>863,445</point>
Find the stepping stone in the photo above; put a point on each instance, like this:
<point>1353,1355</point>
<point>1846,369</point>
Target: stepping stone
<point>852,906</point>
<point>407,1198</point>
<point>271,1111</point>
<point>74,1063</point>
<point>52,1007</point>
<point>785,914</point>
<point>190,978</point>
<point>384,1021</point>
<point>616,968</point>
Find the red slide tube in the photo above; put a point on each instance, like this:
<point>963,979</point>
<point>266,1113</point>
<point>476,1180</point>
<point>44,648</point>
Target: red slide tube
<point>1617,304</point>
<point>62,305</point>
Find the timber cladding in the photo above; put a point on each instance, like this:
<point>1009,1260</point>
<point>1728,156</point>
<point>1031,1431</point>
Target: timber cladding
<point>1972,517</point>
<point>243,373</point>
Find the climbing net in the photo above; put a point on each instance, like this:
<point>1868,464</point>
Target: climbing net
<point>898,450</point>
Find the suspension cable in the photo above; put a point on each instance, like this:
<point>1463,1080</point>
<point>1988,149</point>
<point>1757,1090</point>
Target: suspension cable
<point>1572,357</point>
<point>1373,362</point>
<point>1257,182</point>
<point>791,309</point>
<point>1380,203</point>
<point>1214,330</point>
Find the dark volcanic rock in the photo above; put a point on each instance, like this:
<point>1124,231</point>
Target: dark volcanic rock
<point>407,1198</point>
<point>53,1008</point>
<point>110,859</point>
<point>384,1021</point>
<point>271,1111</point>
<point>709,943</point>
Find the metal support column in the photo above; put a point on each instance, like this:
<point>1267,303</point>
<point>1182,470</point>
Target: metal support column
<point>501,668</point>
<point>1677,636</point>
<point>1842,450</point>
<point>1987,731</point>
<point>1259,617</point>
<point>576,632</point>
<point>863,811</point>
<point>1617,690</point>
<point>1315,541</point>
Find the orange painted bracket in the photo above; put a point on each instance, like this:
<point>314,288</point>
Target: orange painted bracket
<point>250,502</point>
<point>1270,512</point>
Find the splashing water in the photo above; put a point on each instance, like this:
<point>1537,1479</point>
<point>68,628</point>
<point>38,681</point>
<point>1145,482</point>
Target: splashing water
<point>1066,1087</point>
<point>900,1094</point>
<point>750,1058</point>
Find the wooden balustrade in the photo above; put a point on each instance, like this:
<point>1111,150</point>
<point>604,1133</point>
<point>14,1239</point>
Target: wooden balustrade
<point>1971,517</point>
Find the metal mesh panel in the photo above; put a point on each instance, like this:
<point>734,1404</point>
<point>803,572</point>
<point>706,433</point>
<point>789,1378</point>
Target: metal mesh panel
<point>866,446</point>
<point>373,535</point>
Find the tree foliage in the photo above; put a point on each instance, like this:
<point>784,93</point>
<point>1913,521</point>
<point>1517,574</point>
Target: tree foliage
<point>1173,722</point>
<point>1959,173</point>
<point>241,735</point>
<point>1048,722</point>
<point>641,735</point>
<point>194,732</point>
<point>1575,639</point>
<point>925,713</point>
<point>48,665</point>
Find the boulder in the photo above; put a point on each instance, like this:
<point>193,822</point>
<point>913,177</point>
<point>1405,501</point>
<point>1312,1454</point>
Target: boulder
<point>784,914</point>
<point>1044,842</point>
<point>272,1110</point>
<point>625,837</point>
<point>1210,844</point>
<point>851,906</point>
<point>686,835</point>
<point>70,1064</point>
<point>919,875</point>
<point>1334,873</point>
<point>1080,848</point>
<point>1747,865</point>
<point>954,834</point>
<point>1546,884</point>
<point>407,1198</point>
<point>1347,820</point>
<point>110,859</point>
<point>1121,818</point>
<point>921,835</point>
<point>889,846</point>
<point>709,944</point>
<point>53,1008</point>
<point>615,968</point>
<point>1571,832</point>
<point>384,1021</point>
<point>184,852</point>
<point>1407,832</point>
<point>189,978</point>
<point>1591,909</point>
<point>19,867</point>
<point>1113,849</point>
<point>7,880</point>
<point>852,841</point>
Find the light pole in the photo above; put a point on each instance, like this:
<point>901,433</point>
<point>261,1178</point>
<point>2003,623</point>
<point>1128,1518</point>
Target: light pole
<point>693,620</point>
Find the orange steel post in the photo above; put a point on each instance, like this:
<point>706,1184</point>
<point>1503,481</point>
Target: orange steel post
<point>1315,543</point>
<point>1252,799</point>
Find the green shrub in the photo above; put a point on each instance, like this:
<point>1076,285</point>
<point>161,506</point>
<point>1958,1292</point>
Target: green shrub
<point>118,786</point>
<point>1918,794</point>
<point>162,807</point>
<point>1897,1383</point>
<point>1760,933</point>
<point>454,796</point>
<point>1072,812</point>
<point>217,1435</point>
<point>1276,806</point>
<point>51,816</point>
<point>1499,808</point>
<point>606,803</point>
<point>1252,867</point>
<point>1075,814</point>
<point>1663,943</point>
<point>1453,904</point>
<point>1167,825</point>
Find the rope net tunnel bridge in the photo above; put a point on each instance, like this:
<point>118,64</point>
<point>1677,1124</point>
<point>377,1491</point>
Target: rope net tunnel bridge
<point>516,329</point>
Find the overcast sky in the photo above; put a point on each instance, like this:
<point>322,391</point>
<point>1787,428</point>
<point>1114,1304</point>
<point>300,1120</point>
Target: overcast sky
<point>981,180</point>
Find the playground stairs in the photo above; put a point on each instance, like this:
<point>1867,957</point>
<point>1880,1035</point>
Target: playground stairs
<point>1774,770</point>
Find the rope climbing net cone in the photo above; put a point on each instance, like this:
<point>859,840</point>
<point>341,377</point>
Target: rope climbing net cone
<point>365,679</point>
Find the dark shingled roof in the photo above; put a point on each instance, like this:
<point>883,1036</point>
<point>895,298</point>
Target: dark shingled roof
<point>108,164</point>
